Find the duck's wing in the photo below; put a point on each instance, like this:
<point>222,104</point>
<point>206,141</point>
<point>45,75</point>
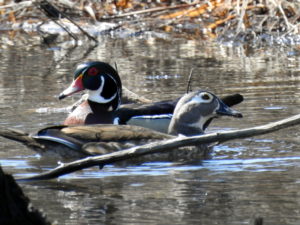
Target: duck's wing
<point>103,139</point>
<point>155,116</point>
<point>127,111</point>
<point>111,133</point>
<point>68,141</point>
<point>82,141</point>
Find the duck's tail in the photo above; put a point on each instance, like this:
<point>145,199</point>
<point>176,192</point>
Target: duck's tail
<point>232,100</point>
<point>20,136</point>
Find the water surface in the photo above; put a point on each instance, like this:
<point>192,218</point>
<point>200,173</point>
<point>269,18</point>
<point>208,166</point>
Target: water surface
<point>243,180</point>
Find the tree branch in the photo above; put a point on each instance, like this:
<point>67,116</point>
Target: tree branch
<point>164,146</point>
<point>151,10</point>
<point>54,14</point>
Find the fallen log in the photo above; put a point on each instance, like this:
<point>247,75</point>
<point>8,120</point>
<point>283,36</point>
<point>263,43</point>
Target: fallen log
<point>164,146</point>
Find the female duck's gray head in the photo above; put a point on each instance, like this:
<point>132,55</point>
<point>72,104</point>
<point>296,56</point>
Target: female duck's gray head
<point>195,110</point>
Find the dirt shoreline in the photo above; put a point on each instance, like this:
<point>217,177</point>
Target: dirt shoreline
<point>238,21</point>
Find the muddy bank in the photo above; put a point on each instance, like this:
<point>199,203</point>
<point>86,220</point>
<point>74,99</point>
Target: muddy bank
<point>256,22</point>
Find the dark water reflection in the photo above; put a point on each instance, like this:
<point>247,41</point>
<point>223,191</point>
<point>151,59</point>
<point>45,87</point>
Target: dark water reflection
<point>244,179</point>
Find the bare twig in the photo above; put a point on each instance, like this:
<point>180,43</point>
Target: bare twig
<point>189,88</point>
<point>164,146</point>
<point>116,67</point>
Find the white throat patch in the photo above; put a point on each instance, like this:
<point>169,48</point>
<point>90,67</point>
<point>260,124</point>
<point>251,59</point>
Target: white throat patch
<point>96,96</point>
<point>200,123</point>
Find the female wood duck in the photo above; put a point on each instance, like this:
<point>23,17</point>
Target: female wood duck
<point>103,103</point>
<point>191,115</point>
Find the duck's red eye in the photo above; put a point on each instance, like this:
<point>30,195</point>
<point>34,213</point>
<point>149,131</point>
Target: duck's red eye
<point>93,71</point>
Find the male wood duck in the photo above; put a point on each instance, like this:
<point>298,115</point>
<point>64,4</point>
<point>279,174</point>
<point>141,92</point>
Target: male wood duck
<point>103,103</point>
<point>191,115</point>
<point>104,94</point>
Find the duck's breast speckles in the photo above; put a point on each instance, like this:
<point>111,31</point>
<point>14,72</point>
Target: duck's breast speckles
<point>78,116</point>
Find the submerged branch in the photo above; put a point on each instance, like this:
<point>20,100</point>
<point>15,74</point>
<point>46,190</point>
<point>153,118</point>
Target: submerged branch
<point>164,146</point>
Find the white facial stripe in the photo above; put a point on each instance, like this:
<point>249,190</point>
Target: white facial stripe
<point>95,96</point>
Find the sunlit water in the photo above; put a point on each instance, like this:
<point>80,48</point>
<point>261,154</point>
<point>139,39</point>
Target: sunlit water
<point>243,180</point>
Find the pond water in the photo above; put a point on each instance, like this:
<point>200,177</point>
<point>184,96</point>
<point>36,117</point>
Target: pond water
<point>243,179</point>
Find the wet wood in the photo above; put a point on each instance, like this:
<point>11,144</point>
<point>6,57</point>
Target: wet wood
<point>22,137</point>
<point>164,146</point>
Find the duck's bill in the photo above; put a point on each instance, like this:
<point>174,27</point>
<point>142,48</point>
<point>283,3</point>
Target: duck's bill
<point>75,87</point>
<point>225,110</point>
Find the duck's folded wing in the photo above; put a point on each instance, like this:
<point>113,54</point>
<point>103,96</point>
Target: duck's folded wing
<point>155,116</point>
<point>127,111</point>
<point>69,141</point>
<point>111,133</point>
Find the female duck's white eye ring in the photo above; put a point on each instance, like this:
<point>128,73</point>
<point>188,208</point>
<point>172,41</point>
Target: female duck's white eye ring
<point>203,97</point>
<point>206,97</point>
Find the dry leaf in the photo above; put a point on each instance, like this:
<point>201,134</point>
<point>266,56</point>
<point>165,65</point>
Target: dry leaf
<point>11,17</point>
<point>124,4</point>
<point>194,12</point>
